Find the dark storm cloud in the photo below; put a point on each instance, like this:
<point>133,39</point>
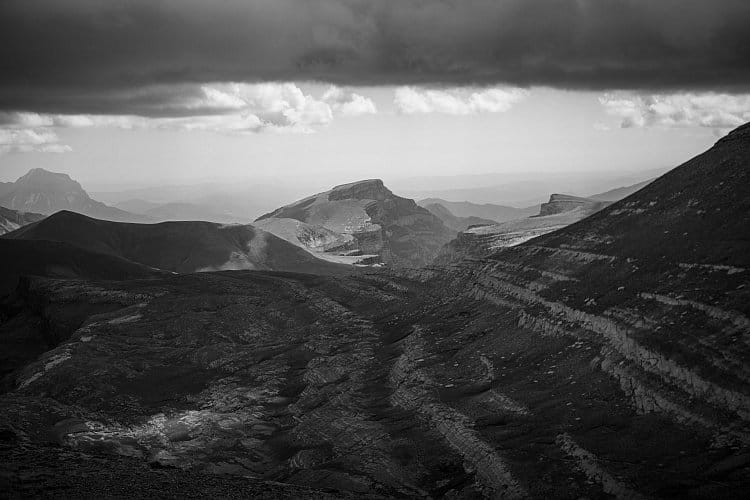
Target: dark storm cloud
<point>106,56</point>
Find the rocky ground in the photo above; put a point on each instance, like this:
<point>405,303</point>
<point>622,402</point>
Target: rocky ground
<point>491,390</point>
<point>608,359</point>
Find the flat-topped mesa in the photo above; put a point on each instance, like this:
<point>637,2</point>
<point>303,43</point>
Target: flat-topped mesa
<point>371,219</point>
<point>560,203</point>
<point>370,189</point>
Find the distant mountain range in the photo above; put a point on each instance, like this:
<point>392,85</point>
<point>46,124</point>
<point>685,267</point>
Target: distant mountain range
<point>240,201</point>
<point>561,210</point>
<point>519,190</point>
<point>47,192</point>
<point>178,211</point>
<point>502,213</point>
<point>489,211</point>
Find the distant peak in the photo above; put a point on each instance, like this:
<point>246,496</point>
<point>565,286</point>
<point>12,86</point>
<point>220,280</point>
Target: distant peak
<point>41,178</point>
<point>369,189</point>
<point>40,172</point>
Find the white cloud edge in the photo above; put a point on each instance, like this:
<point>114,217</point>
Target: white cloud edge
<point>719,111</point>
<point>229,108</point>
<point>411,100</point>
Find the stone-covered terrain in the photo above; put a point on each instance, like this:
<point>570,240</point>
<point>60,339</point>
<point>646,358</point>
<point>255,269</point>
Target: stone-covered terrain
<point>606,360</point>
<point>378,222</point>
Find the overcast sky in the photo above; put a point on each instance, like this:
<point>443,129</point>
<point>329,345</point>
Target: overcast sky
<point>324,91</point>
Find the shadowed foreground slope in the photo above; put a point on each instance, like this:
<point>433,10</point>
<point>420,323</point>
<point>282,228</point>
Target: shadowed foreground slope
<point>184,246</point>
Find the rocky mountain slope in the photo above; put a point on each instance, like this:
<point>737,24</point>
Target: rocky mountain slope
<point>698,212</point>
<point>561,211</point>
<point>653,291</point>
<point>454,222</point>
<point>325,244</point>
<point>380,223</point>
<point>10,220</point>
<point>47,192</point>
<point>489,238</point>
<point>181,247</point>
<point>606,359</point>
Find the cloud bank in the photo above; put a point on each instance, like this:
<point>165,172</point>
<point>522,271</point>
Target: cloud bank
<point>714,110</point>
<point>234,108</point>
<point>130,57</point>
<point>411,100</point>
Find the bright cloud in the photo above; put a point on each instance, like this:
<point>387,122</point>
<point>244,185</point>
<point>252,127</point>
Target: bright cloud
<point>233,108</point>
<point>348,103</point>
<point>413,100</point>
<point>720,111</point>
<point>28,132</point>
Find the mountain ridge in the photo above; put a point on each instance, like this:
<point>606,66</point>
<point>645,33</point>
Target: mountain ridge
<point>180,246</point>
<point>381,223</point>
<point>46,192</point>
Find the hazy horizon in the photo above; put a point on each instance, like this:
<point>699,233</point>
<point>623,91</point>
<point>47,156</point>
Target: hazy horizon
<point>575,135</point>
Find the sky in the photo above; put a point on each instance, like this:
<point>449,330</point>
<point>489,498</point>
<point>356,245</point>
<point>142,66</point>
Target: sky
<point>314,93</point>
